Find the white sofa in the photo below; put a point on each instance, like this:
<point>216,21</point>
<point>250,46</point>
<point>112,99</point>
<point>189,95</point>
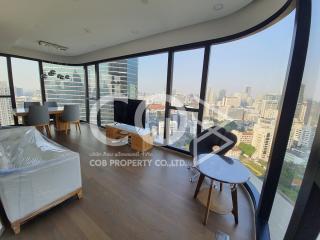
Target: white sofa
<point>35,174</point>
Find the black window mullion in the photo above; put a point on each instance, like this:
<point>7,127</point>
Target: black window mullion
<point>11,86</point>
<point>86,82</point>
<point>42,86</point>
<point>168,95</point>
<point>203,89</point>
<point>96,66</point>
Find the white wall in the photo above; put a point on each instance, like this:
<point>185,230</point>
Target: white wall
<point>246,18</point>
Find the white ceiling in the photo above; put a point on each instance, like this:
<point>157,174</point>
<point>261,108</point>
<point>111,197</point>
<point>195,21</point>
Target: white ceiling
<point>88,25</point>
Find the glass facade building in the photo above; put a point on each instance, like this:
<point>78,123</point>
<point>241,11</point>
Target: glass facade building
<point>118,79</point>
<point>68,89</point>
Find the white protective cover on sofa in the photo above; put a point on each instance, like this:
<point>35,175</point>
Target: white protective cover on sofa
<point>34,171</point>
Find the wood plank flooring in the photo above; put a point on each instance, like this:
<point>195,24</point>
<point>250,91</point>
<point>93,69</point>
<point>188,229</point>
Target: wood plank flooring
<point>124,203</point>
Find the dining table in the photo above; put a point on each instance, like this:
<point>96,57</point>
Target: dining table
<point>53,111</point>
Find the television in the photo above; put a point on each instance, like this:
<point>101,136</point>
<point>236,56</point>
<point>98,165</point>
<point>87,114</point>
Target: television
<point>133,106</point>
<point>120,110</point>
<point>125,112</point>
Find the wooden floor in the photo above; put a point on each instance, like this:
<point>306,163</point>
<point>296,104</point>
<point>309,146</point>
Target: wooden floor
<point>124,203</point>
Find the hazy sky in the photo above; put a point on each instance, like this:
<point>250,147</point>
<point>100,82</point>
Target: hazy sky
<point>259,61</point>
<point>25,74</point>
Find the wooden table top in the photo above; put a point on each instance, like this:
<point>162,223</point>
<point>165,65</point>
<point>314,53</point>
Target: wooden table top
<point>24,111</point>
<point>223,169</point>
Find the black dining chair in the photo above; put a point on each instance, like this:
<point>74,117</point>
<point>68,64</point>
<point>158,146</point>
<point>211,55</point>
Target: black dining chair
<point>208,143</point>
<point>28,104</point>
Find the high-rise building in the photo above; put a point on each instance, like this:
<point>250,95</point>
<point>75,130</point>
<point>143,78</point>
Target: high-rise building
<point>248,91</point>
<point>231,101</point>
<point>118,79</point>
<point>243,137</point>
<point>222,94</point>
<point>307,136</point>
<point>263,132</point>
<point>295,133</point>
<point>269,107</point>
<point>210,96</point>
<point>6,117</point>
<point>67,90</point>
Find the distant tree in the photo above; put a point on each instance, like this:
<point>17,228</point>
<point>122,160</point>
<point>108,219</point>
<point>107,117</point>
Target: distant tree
<point>247,149</point>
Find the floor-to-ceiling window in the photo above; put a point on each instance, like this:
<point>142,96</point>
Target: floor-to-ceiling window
<point>184,103</point>
<point>244,88</point>
<point>118,79</point>
<point>142,78</point>
<point>26,80</point>
<point>6,117</point>
<point>152,79</point>
<point>64,84</point>
<point>301,136</point>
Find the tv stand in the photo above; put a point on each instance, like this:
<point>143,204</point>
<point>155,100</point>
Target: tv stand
<point>141,138</point>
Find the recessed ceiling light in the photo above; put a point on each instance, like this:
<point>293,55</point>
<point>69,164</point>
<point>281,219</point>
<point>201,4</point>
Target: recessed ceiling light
<point>218,6</point>
<point>56,46</point>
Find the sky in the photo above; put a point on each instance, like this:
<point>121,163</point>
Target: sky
<point>25,74</point>
<point>259,61</point>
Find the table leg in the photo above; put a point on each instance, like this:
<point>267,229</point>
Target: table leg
<point>234,195</point>
<point>200,181</point>
<point>208,204</point>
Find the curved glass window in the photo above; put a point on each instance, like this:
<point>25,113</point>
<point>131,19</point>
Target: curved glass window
<point>301,136</point>
<point>244,89</point>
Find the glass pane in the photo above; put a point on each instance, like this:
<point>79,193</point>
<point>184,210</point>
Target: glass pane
<point>301,136</point>
<point>182,129</point>
<point>92,84</point>
<point>4,82</point>
<point>6,117</point>
<point>26,80</point>
<point>238,97</point>
<point>65,85</point>
<point>92,81</point>
<point>152,80</point>
<point>117,79</point>
<point>187,72</point>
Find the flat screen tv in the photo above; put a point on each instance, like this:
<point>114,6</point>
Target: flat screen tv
<point>125,111</point>
<point>133,106</point>
<point>120,110</point>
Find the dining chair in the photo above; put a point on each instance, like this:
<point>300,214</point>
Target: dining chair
<point>71,114</point>
<point>211,141</point>
<point>28,104</point>
<point>38,116</point>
